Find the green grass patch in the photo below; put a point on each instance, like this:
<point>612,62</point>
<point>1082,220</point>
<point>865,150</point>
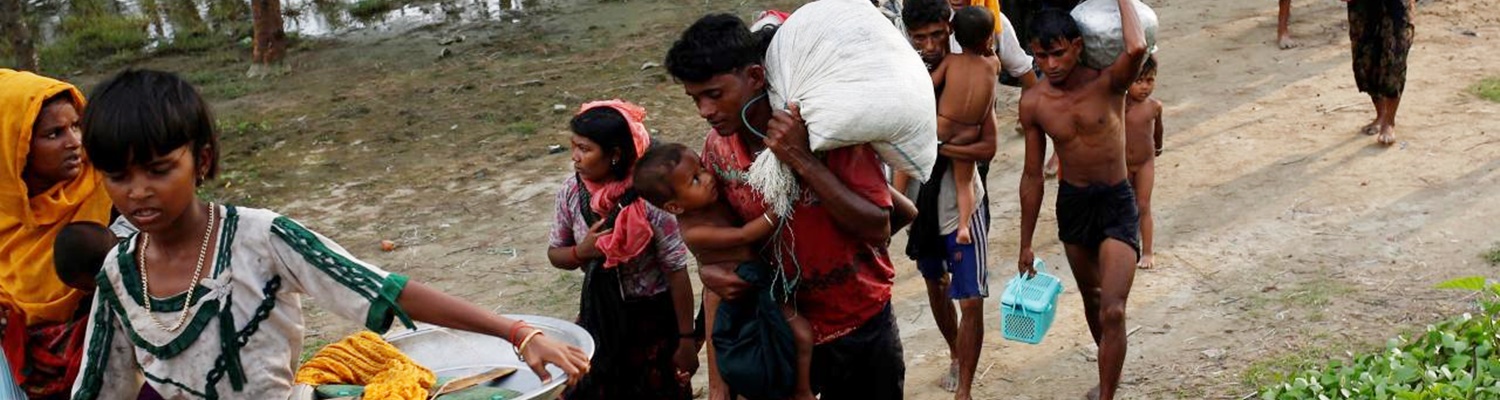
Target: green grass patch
<point>100,40</point>
<point>1488,89</point>
<point>523,128</point>
<point>1275,369</point>
<point>196,42</point>
<point>367,9</point>
<point>224,84</point>
<point>1493,256</point>
<point>1454,359</point>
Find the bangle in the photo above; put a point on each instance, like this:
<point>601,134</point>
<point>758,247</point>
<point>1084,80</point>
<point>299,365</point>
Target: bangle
<point>574,250</point>
<point>522,348</point>
<point>767,216</point>
<point>515,330</point>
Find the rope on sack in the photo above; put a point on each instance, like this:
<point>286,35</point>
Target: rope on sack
<point>778,188</point>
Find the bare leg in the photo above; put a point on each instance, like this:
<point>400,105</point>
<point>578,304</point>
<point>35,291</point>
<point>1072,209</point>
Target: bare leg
<point>717,389</point>
<point>1283,20</point>
<point>1373,128</point>
<point>963,182</point>
<point>1144,182</point>
<point>1117,268</point>
<point>1388,123</point>
<point>1086,273</point>
<point>970,341</point>
<point>802,333</point>
<point>947,322</point>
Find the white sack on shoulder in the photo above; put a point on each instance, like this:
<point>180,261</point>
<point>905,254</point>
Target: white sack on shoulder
<point>1103,35</point>
<point>857,80</point>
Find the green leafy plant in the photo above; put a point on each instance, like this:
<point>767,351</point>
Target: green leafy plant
<point>1455,359</point>
<point>95,40</point>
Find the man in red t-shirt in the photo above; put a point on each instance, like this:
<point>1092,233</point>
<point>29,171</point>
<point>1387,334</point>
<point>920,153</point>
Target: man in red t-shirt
<point>839,228</point>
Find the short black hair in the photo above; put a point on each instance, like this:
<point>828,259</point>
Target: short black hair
<point>1052,24</point>
<point>919,13</point>
<point>653,173</point>
<point>717,44</point>
<point>1149,68</point>
<point>79,252</point>
<point>971,26</point>
<point>141,114</point>
<point>608,128</point>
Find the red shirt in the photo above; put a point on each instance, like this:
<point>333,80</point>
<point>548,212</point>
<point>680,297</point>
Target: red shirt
<point>845,281</point>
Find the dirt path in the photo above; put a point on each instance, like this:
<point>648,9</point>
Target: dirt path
<point>1281,231</point>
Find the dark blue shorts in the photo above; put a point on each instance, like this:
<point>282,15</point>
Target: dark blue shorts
<point>965,261</point>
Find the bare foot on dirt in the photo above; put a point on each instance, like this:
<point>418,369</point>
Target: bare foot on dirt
<point>1387,135</point>
<point>1371,129</point>
<point>1147,262</point>
<point>1286,42</point>
<point>1093,394</point>
<point>949,383</point>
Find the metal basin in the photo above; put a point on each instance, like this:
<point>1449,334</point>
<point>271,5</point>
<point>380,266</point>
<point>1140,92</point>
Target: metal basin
<point>450,353</point>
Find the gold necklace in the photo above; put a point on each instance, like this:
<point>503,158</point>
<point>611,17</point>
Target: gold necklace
<point>197,274</point>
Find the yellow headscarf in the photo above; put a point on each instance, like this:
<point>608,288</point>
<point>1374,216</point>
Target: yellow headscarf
<point>994,6</point>
<point>28,225</point>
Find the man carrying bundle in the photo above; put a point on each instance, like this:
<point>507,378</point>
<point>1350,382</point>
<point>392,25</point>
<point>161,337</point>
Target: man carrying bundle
<point>1082,109</point>
<point>842,223</point>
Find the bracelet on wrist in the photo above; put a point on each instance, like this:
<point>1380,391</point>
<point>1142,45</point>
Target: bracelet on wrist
<point>521,349</point>
<point>515,331</point>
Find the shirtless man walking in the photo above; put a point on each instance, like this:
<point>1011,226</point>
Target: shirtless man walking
<point>1083,110</point>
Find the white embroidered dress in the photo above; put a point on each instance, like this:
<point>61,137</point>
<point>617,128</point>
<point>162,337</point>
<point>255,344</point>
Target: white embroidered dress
<point>244,333</point>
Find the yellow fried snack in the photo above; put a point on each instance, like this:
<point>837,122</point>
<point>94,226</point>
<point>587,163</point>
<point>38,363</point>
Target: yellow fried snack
<point>366,359</point>
<point>400,381</point>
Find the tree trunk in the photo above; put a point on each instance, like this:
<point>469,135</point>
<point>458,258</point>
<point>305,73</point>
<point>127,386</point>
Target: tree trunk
<point>270,38</point>
<point>18,34</point>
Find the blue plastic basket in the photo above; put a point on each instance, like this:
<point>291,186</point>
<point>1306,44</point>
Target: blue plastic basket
<point>1028,305</point>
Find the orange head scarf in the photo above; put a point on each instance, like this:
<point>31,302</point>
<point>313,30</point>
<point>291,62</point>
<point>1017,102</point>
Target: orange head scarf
<point>28,225</point>
<point>632,231</point>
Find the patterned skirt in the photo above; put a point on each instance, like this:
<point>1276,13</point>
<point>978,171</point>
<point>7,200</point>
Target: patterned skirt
<point>44,359</point>
<point>1380,32</point>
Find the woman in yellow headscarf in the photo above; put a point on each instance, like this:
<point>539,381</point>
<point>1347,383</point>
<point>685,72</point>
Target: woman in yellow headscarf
<point>45,183</point>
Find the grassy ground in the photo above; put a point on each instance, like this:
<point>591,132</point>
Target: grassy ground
<point>1488,89</point>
